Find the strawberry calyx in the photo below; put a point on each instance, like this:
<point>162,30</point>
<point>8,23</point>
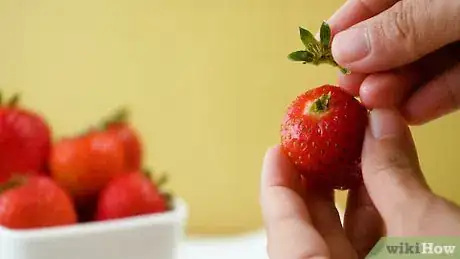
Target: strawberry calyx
<point>316,52</point>
<point>320,105</point>
<point>121,115</point>
<point>15,181</point>
<point>169,199</point>
<point>11,102</point>
<point>159,182</point>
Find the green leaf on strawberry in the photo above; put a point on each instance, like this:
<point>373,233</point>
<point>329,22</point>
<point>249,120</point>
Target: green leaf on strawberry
<point>13,182</point>
<point>11,102</point>
<point>306,37</point>
<point>14,100</point>
<point>316,52</point>
<point>301,55</point>
<point>159,181</point>
<point>325,35</point>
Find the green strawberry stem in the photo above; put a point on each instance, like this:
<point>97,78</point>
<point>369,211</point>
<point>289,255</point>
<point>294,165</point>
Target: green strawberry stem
<point>14,181</point>
<point>13,101</point>
<point>147,172</point>
<point>159,183</point>
<point>169,200</point>
<point>121,115</point>
<point>321,104</point>
<point>162,180</point>
<point>316,52</point>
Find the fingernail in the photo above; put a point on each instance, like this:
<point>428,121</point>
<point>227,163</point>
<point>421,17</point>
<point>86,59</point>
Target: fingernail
<point>350,45</point>
<point>386,123</point>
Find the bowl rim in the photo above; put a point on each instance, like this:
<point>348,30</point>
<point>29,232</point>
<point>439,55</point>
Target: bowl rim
<point>177,216</point>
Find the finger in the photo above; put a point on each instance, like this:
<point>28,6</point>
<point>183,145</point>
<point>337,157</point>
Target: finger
<point>351,83</point>
<point>326,220</point>
<point>388,89</point>
<point>404,33</point>
<point>362,222</point>
<point>438,97</point>
<point>290,232</point>
<point>391,171</point>
<point>393,88</point>
<point>354,11</point>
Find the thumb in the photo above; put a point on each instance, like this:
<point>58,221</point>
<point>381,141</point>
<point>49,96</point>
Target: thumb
<point>390,166</point>
<point>404,33</point>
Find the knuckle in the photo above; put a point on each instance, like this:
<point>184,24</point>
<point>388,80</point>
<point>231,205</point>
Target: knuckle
<point>392,162</point>
<point>399,27</point>
<point>402,23</point>
<point>396,167</point>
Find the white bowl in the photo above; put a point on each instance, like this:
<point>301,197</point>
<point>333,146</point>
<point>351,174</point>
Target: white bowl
<point>156,236</point>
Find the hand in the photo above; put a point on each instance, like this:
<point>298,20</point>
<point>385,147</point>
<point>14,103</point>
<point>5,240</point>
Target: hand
<point>303,222</point>
<point>403,53</point>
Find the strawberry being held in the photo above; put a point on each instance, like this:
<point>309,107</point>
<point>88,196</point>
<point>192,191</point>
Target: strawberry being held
<point>323,133</point>
<point>323,129</point>
<point>130,195</point>
<point>25,140</point>
<point>34,202</point>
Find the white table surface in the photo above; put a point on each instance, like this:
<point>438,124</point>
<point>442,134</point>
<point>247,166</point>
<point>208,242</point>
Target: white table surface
<point>249,246</point>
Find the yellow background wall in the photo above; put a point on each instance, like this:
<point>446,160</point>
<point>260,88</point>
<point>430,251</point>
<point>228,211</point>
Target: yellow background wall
<point>207,81</point>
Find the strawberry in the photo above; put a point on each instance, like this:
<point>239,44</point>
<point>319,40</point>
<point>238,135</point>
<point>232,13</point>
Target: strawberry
<point>85,164</point>
<point>322,134</point>
<point>130,195</point>
<point>25,140</point>
<point>119,126</point>
<point>34,202</point>
<point>323,130</point>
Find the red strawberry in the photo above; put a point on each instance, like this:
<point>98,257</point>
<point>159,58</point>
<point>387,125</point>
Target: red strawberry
<point>322,134</point>
<point>85,164</point>
<point>34,202</point>
<point>25,140</point>
<point>130,195</point>
<point>119,126</point>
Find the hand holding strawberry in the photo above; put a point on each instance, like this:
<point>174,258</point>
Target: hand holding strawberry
<point>394,200</point>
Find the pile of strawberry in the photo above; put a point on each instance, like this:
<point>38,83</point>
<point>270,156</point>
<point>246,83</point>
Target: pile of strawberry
<point>93,176</point>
